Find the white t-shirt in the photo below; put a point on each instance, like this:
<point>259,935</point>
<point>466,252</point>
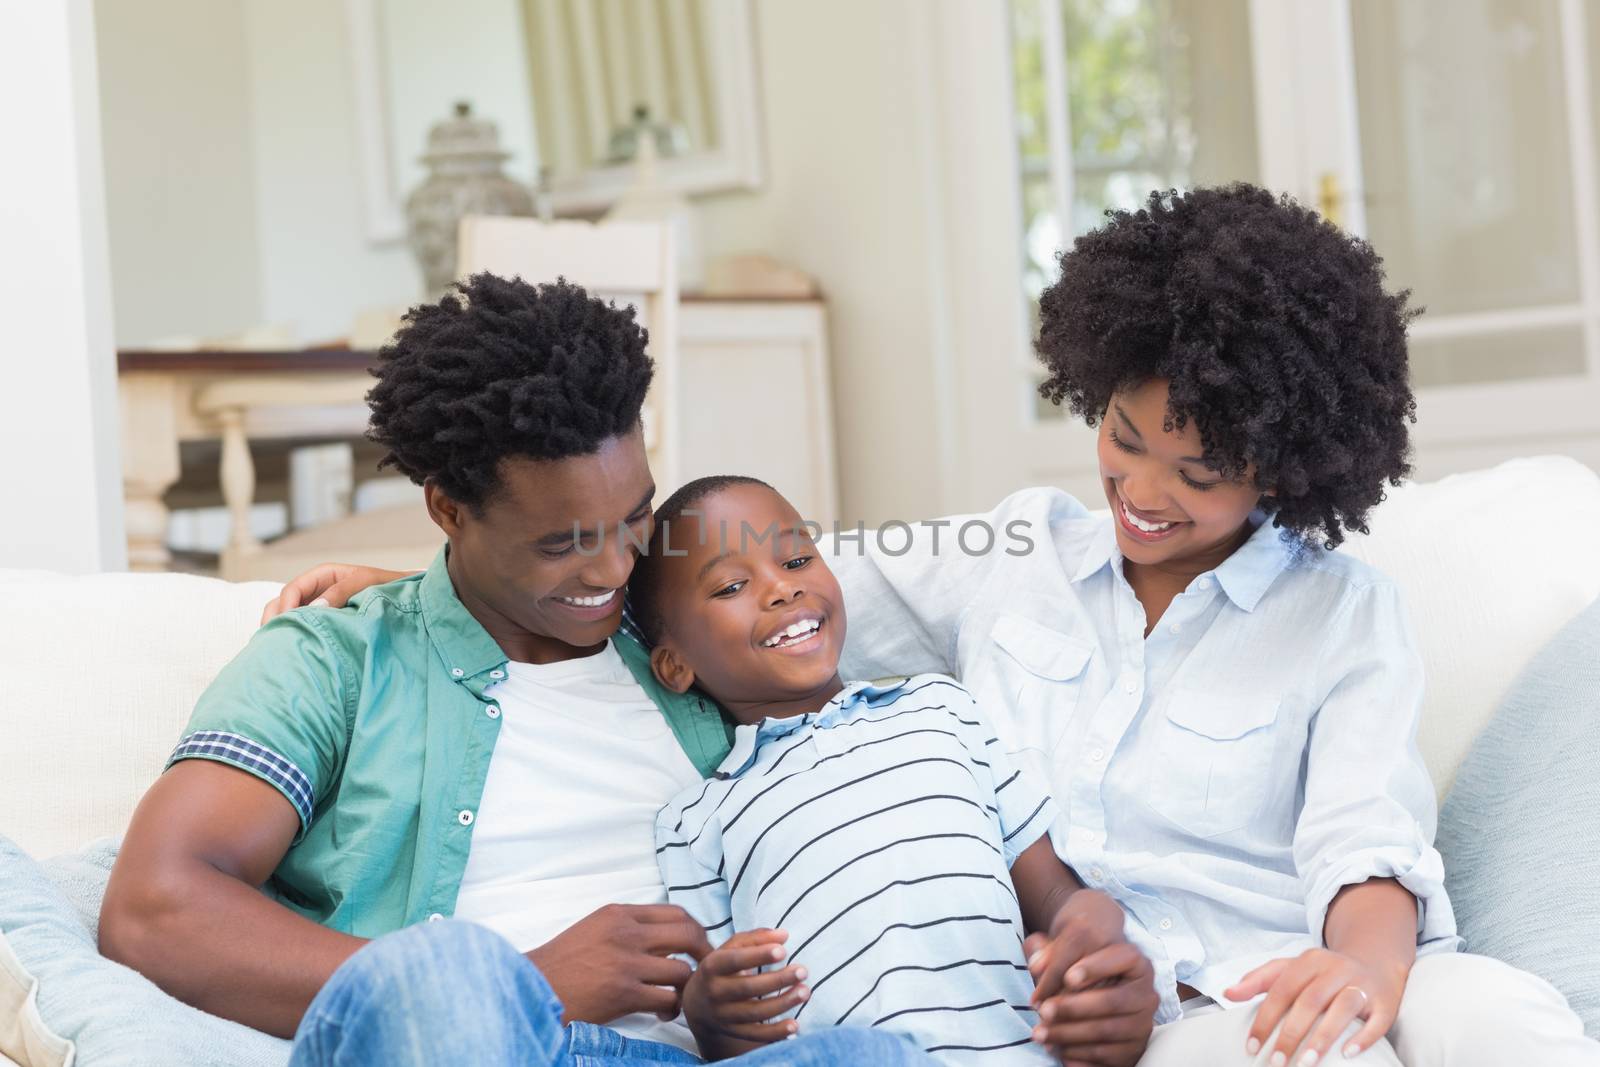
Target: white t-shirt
<point>583,763</point>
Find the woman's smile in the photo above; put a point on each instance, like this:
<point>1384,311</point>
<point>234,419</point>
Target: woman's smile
<point>1142,526</point>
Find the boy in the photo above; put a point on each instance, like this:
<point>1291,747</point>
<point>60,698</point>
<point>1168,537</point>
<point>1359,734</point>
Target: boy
<point>864,831</point>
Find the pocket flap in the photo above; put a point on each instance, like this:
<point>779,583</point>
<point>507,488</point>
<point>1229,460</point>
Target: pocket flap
<point>1040,649</point>
<point>1218,717</point>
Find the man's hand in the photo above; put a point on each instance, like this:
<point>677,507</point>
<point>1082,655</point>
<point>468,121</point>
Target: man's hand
<point>1095,992</point>
<point>1316,996</point>
<point>327,585</point>
<point>617,961</point>
<point>730,1003</point>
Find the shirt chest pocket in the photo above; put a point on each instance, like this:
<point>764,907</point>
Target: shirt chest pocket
<point>1036,676</point>
<point>1216,760</point>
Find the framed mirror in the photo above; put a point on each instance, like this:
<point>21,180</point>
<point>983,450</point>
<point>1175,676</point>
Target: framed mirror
<point>573,86</point>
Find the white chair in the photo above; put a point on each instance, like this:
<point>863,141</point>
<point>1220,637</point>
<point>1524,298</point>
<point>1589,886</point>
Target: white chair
<point>627,261</point>
<point>630,262</point>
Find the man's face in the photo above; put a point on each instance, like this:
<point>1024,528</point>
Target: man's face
<point>1167,505</point>
<point>551,552</point>
<point>751,608</point>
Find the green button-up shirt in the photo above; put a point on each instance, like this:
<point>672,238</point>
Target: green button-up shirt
<point>372,722</point>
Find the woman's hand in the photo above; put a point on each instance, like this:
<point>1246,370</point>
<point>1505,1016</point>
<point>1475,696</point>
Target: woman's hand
<point>1088,922</point>
<point>1095,992</point>
<point>330,585</point>
<point>1316,996</point>
<point>730,1002</point>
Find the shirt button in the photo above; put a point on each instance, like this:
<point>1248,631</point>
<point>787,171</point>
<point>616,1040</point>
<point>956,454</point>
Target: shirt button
<point>1128,684</point>
<point>1176,628</point>
<point>456,672</point>
<point>1098,754</point>
<point>1166,924</point>
<point>492,711</point>
<point>1204,583</point>
<point>435,917</point>
<point>464,817</point>
<point>497,674</point>
<point>1084,834</point>
<point>1096,874</point>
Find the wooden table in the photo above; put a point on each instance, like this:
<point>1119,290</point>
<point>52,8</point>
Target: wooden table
<point>737,357</point>
<point>171,397</point>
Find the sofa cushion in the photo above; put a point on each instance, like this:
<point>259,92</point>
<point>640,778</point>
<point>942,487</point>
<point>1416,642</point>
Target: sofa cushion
<point>98,675</point>
<point>115,1016</point>
<point>24,1037</point>
<point>1484,593</point>
<point>1519,829</point>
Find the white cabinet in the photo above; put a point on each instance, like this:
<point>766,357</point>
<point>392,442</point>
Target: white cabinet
<point>756,397</point>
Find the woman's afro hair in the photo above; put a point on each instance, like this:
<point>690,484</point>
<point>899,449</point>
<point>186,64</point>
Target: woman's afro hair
<point>1276,335</point>
<point>499,368</point>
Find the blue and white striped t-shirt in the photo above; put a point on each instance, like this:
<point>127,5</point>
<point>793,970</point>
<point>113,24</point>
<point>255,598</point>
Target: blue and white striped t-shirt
<point>879,832</point>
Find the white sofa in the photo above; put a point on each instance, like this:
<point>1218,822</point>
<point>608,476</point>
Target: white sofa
<point>98,673</point>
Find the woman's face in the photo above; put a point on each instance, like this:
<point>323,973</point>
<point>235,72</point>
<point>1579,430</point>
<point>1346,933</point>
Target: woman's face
<point>1167,505</point>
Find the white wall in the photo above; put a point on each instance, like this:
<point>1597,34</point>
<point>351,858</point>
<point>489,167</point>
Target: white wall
<point>180,177</point>
<point>892,179</point>
<point>317,267</point>
<point>846,199</point>
<point>440,53</point>
<point>58,419</point>
<point>869,114</point>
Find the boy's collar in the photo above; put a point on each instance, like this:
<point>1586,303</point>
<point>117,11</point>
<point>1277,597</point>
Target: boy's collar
<point>749,738</point>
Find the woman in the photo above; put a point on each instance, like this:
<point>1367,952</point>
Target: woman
<point>1225,707</point>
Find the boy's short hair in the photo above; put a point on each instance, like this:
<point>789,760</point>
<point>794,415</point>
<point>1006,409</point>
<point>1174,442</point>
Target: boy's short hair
<point>644,587</point>
<point>1274,328</point>
<point>501,368</point>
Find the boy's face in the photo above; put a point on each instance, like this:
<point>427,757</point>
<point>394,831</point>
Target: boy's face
<point>751,611</point>
<point>543,595</point>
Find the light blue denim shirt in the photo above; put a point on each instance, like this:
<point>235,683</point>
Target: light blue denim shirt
<point>1222,778</point>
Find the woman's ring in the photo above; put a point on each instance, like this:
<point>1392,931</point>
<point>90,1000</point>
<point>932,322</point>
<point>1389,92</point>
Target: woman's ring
<point>1365,1000</point>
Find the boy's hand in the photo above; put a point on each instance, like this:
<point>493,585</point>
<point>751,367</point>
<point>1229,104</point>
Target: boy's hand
<point>729,1001</point>
<point>1095,992</point>
<point>1316,995</point>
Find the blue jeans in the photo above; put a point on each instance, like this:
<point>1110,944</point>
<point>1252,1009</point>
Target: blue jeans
<point>455,993</point>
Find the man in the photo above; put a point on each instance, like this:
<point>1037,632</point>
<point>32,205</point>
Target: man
<point>476,741</point>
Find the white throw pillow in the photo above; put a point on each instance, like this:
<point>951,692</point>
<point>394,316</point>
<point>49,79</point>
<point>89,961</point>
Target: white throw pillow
<point>98,675</point>
<point>1492,563</point>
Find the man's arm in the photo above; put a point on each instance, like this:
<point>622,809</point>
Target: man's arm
<point>183,908</point>
<point>183,905</point>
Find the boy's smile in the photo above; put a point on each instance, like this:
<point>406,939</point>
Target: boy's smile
<point>751,613</point>
<point>797,635</point>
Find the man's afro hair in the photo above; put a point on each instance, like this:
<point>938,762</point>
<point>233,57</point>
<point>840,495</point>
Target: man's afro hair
<point>1273,327</point>
<point>501,368</point>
